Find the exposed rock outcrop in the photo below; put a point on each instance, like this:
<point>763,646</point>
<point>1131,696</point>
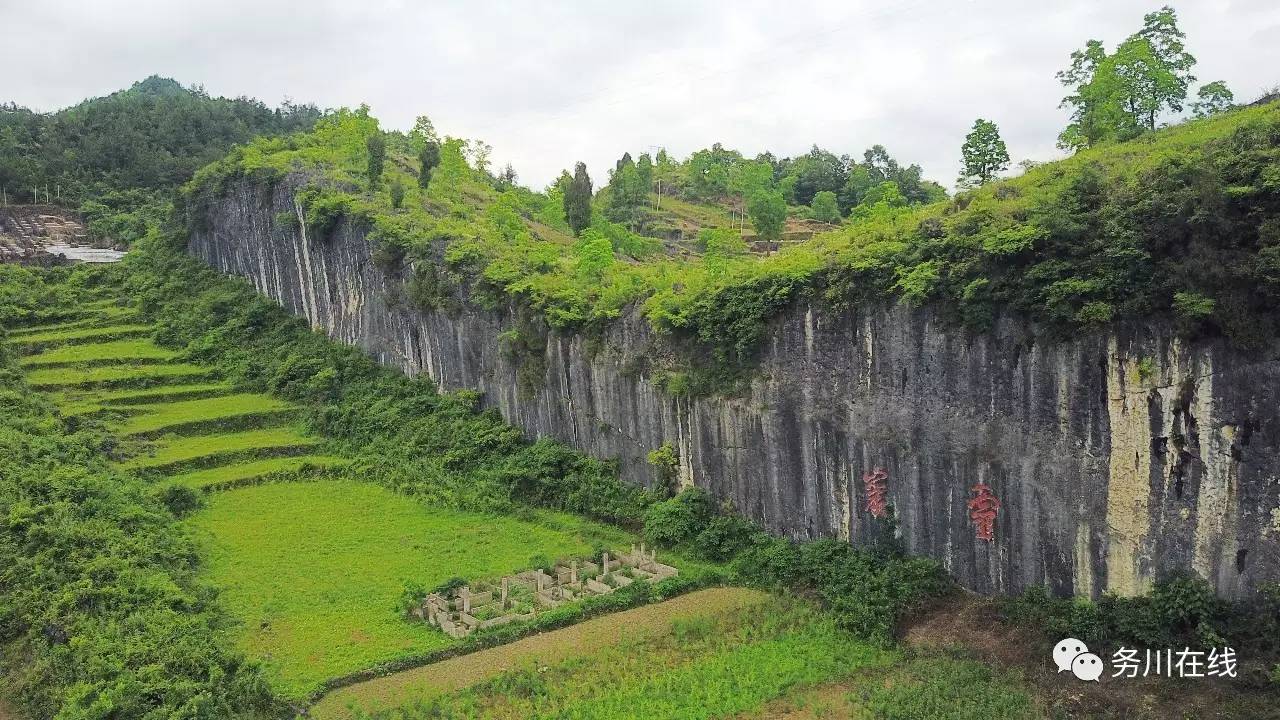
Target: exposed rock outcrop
<point>1114,457</point>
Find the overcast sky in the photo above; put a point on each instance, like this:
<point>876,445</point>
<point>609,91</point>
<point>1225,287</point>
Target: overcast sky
<point>548,83</point>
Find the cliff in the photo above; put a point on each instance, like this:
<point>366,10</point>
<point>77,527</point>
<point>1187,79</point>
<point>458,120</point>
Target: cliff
<point>1115,458</point>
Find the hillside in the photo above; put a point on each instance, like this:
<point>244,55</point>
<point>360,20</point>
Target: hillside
<point>116,158</point>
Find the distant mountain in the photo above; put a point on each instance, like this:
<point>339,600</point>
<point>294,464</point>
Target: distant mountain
<point>151,136</point>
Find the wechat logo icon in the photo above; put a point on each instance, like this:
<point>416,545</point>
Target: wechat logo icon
<point>1073,656</point>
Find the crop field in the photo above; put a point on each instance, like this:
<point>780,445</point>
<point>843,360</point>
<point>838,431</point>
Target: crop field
<point>112,351</point>
<point>721,661</point>
<point>317,586</point>
<point>206,449</point>
<point>90,333</point>
<point>197,479</point>
<point>720,653</point>
<point>76,401</point>
<point>117,375</point>
<point>159,416</point>
<point>174,417</point>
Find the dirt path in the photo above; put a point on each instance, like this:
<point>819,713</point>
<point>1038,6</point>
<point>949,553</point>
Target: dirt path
<point>463,671</point>
<point>6,712</point>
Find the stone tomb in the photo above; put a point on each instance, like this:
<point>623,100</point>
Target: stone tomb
<point>464,610</point>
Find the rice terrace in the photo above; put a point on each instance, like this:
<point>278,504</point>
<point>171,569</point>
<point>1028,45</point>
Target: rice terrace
<point>735,402</point>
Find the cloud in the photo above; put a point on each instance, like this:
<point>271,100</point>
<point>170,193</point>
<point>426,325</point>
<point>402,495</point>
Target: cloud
<point>552,83</point>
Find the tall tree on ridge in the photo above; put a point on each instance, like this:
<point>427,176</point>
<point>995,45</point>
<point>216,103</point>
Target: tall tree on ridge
<point>377,146</point>
<point>577,200</point>
<point>429,158</point>
<point>984,154</point>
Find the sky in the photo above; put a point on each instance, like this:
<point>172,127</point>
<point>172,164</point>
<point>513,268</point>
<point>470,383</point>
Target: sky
<point>551,83</point>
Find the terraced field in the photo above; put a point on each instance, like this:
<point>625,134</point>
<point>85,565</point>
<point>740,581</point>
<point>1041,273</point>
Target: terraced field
<point>176,420</point>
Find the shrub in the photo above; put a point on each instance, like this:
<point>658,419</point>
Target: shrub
<point>678,520</point>
<point>180,500</point>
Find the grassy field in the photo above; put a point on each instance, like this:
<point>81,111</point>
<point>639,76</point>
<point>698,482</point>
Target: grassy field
<point>44,378</point>
<point>75,401</point>
<point>315,569</point>
<point>419,685</point>
<point>114,351</point>
<point>717,663</point>
<point>80,334</point>
<point>723,653</point>
<point>253,468</point>
<point>180,449</point>
<point>157,416</point>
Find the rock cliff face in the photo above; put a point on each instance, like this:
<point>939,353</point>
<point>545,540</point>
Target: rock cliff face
<point>1115,458</point>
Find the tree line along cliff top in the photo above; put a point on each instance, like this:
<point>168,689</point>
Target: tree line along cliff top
<point>1181,224</point>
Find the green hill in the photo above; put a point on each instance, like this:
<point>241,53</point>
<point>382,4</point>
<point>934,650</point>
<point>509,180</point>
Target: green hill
<point>116,157</point>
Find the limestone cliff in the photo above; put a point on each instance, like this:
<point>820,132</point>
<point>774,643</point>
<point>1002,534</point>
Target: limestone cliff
<point>1115,457</point>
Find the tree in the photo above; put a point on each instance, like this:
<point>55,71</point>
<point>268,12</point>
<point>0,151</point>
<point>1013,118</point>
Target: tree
<point>595,253</point>
<point>423,132</point>
<point>814,172</point>
<point>480,151</point>
<point>983,154</point>
<point>397,192</point>
<point>628,193</point>
<point>1121,95</point>
<point>824,207</point>
<point>577,200</point>
<point>1212,98</point>
<point>429,158</point>
<point>507,178</point>
<point>377,147</point>
<point>768,211</point>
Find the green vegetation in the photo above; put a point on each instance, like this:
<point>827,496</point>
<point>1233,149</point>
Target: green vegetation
<point>117,350</point>
<point>158,416</point>
<point>170,451</point>
<point>256,469</point>
<point>1121,95</point>
<point>126,375</point>
<point>315,569</point>
<point>1179,610</point>
<point>623,628</point>
<point>63,335</point>
<point>101,613</point>
<point>1112,234</point>
<point>709,666</point>
<point>983,155</point>
<point>117,157</point>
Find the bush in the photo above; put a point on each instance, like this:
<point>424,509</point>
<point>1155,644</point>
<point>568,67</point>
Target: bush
<point>677,521</point>
<point>725,537</point>
<point>181,501</point>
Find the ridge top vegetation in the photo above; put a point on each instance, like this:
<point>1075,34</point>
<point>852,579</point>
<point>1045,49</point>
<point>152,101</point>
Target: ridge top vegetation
<point>1181,225</point>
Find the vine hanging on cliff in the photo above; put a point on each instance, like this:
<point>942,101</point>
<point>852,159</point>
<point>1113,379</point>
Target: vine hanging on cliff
<point>877,492</point>
<point>983,508</point>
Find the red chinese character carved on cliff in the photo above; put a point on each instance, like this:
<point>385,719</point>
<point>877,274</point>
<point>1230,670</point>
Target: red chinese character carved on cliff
<point>877,500</point>
<point>982,511</point>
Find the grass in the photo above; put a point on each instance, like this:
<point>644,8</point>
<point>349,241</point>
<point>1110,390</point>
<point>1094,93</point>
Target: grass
<point>181,449</point>
<point>116,350</point>
<point>251,469</point>
<point>315,570</point>
<point>157,416</point>
<point>78,402</point>
<point>43,378</point>
<point>712,665</point>
<point>89,333</point>
<point>101,315</point>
